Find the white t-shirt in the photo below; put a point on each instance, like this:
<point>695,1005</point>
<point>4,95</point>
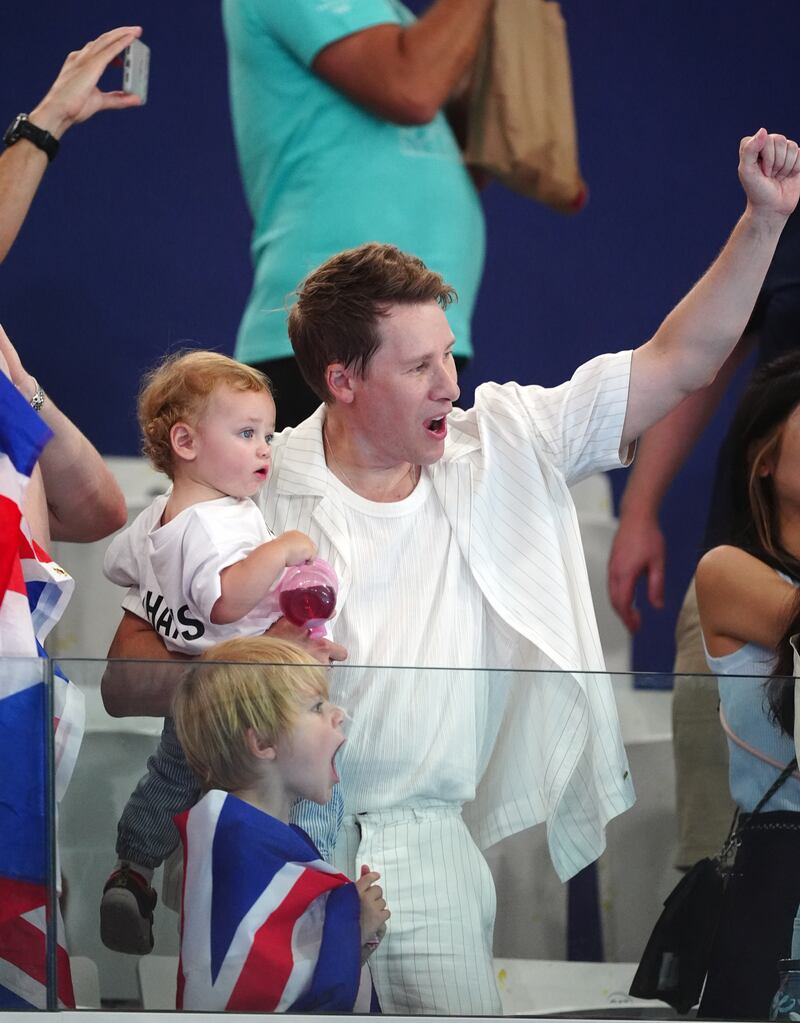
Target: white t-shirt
<point>173,570</point>
<point>412,575</point>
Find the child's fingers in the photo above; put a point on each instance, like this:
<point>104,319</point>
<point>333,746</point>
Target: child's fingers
<point>366,881</point>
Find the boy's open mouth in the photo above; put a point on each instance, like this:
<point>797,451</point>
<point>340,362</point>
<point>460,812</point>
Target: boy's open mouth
<point>334,771</point>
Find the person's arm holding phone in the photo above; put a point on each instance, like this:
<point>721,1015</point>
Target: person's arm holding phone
<point>31,143</point>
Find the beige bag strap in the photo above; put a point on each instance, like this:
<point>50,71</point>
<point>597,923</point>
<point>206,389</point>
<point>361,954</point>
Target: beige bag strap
<point>726,728</point>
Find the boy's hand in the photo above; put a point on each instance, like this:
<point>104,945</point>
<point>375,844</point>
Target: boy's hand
<point>297,547</point>
<point>374,913</point>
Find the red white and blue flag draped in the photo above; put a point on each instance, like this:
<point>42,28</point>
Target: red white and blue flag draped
<point>33,594</point>
<point>266,924</point>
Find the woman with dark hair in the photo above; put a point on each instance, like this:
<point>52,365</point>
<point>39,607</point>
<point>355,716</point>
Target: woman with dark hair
<point>747,598</point>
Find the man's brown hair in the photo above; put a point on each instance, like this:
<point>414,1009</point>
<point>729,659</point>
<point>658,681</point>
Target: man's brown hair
<point>335,318</point>
<point>177,390</point>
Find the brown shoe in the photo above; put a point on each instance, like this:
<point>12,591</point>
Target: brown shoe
<point>126,913</point>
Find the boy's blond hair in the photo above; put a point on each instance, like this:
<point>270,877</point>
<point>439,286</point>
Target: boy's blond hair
<point>248,682</point>
<point>177,390</point>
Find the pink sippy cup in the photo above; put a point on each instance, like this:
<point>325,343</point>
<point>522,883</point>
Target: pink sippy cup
<point>307,594</point>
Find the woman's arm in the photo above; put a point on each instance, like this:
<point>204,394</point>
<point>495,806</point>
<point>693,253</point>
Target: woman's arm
<point>741,600</point>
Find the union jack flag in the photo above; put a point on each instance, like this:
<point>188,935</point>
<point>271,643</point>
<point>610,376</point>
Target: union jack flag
<point>33,594</point>
<point>266,925</point>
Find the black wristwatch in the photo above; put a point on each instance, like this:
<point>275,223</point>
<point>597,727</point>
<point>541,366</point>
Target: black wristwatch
<point>22,128</point>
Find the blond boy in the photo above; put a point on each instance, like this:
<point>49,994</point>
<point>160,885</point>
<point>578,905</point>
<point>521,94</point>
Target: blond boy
<point>266,924</point>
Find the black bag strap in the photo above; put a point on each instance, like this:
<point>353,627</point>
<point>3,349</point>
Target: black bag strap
<point>774,787</point>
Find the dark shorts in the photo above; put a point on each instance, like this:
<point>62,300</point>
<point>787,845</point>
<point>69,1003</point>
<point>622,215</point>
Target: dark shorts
<point>755,928</point>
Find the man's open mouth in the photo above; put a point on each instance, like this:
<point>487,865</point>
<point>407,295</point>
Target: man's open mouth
<point>437,427</point>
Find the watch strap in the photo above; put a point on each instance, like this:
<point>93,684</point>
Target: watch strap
<point>23,128</point>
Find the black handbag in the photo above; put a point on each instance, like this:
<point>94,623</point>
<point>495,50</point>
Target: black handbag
<point>675,961</point>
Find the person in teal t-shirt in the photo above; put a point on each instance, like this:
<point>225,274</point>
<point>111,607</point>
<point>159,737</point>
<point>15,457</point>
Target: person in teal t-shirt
<point>341,140</point>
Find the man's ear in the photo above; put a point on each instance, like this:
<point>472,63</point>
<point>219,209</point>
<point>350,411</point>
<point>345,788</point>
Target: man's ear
<point>340,380</point>
<point>258,747</point>
<point>183,439</point>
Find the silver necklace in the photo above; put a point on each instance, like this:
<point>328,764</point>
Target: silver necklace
<point>326,445</point>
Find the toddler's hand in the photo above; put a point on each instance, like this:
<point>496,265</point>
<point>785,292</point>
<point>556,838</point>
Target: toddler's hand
<point>374,913</point>
<point>297,547</point>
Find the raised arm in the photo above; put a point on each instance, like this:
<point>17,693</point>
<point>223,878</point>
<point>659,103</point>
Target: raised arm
<point>697,337</point>
<point>407,74</point>
<point>73,97</point>
<point>639,547</point>
<point>84,501</point>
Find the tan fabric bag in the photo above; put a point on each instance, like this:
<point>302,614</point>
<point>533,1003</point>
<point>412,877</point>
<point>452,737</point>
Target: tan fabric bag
<point>521,121</point>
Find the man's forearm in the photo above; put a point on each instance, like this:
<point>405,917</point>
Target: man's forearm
<point>700,333</point>
<point>441,47</point>
<point>131,687</point>
<point>406,75</point>
<point>665,447</point>
<point>22,167</point>
<point>696,338</point>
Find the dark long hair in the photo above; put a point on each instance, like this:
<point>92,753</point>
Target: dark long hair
<point>755,436</point>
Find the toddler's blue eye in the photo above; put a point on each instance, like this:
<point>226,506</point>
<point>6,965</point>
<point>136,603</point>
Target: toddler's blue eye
<point>247,434</point>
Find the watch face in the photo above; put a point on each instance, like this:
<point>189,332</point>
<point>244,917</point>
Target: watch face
<point>12,134</point>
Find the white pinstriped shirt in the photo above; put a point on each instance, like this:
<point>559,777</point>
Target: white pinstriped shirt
<point>503,485</point>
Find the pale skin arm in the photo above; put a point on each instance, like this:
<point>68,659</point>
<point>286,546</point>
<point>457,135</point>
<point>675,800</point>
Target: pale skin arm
<point>72,98</point>
<point>34,506</point>
<point>247,582</point>
<point>639,547</point>
<point>131,689</point>
<point>740,600</point>
<point>406,75</point>
<point>84,501</point>
<point>698,335</point>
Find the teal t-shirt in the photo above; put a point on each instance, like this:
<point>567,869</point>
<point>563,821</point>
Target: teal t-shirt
<point>321,174</point>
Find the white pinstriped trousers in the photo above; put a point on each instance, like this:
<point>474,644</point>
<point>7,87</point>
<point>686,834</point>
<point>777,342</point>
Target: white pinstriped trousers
<point>437,953</point>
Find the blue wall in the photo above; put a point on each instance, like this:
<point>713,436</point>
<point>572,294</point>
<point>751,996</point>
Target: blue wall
<point>138,238</point>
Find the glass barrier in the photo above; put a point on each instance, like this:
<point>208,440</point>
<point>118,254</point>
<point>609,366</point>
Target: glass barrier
<point>32,973</point>
<point>543,745</point>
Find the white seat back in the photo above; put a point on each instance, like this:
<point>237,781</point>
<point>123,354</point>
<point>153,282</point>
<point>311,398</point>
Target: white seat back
<point>158,980</point>
<point>85,982</point>
<point>543,985</point>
